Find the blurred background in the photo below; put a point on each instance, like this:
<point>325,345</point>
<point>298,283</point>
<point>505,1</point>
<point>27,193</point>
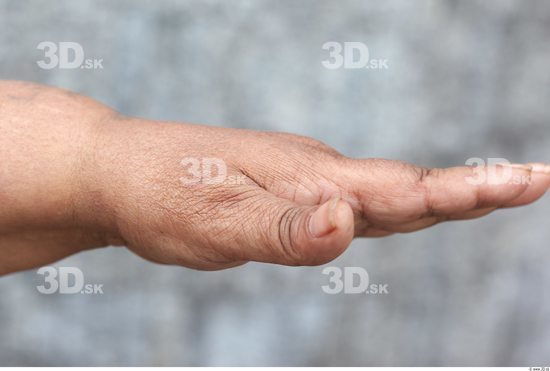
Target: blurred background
<point>464,79</point>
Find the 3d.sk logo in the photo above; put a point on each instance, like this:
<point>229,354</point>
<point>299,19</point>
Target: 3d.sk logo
<point>66,280</point>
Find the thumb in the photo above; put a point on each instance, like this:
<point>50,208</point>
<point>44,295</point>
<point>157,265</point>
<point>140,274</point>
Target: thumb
<point>291,234</point>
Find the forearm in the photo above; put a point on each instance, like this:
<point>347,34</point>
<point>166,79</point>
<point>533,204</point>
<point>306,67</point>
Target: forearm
<point>45,140</point>
<point>44,149</point>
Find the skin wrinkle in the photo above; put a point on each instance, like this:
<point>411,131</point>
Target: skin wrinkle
<point>424,176</point>
<point>250,177</point>
<point>115,178</point>
<point>214,257</point>
<point>285,229</point>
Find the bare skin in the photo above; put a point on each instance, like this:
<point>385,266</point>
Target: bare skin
<point>75,175</point>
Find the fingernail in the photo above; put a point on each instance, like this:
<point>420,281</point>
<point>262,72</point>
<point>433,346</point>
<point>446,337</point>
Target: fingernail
<point>322,221</point>
<point>541,168</point>
<point>518,166</point>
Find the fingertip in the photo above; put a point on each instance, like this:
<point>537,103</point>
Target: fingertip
<point>538,185</point>
<point>335,219</point>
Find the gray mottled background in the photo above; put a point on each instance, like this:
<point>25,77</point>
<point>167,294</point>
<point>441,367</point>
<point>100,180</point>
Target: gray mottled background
<point>465,79</point>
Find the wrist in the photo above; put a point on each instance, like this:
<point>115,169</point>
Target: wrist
<point>96,188</point>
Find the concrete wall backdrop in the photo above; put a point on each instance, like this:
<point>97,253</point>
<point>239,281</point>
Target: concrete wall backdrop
<point>465,79</point>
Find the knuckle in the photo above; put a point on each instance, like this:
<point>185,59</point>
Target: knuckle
<point>312,143</point>
<point>424,176</point>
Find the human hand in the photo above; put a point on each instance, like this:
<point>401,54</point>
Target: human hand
<point>286,199</point>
